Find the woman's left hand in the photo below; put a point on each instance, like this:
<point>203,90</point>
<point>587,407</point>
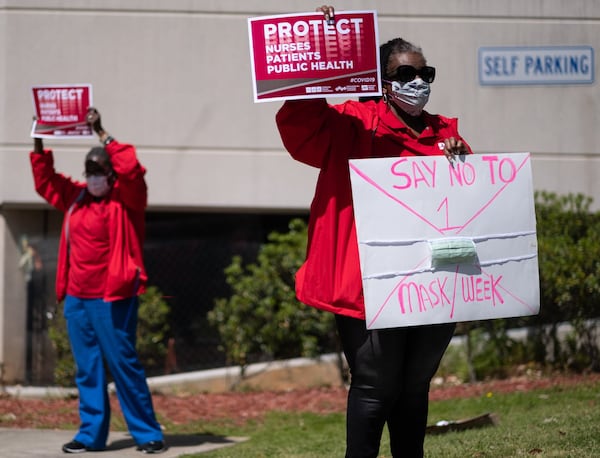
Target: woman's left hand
<point>94,120</point>
<point>454,147</point>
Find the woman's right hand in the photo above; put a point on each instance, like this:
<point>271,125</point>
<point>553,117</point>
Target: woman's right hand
<point>93,119</point>
<point>327,10</point>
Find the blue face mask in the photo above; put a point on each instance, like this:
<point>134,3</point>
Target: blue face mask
<point>412,96</point>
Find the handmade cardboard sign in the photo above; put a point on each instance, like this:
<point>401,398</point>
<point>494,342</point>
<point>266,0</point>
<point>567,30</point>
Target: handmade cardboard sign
<point>304,56</point>
<point>444,241</point>
<point>61,111</point>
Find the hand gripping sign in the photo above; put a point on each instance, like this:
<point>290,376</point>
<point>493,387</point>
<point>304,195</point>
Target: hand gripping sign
<point>61,111</point>
<point>445,242</point>
<point>305,56</point>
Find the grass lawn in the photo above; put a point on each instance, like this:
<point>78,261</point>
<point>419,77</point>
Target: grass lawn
<point>558,422</point>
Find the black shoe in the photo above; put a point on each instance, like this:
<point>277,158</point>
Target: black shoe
<point>152,447</point>
<point>74,447</point>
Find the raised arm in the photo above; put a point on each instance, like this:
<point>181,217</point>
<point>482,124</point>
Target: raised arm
<point>129,173</point>
<point>57,189</point>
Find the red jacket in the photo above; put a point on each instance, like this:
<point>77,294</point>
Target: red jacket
<point>326,136</point>
<point>127,203</point>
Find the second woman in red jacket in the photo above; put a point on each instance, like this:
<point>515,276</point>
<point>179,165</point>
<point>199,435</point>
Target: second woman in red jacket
<point>100,274</point>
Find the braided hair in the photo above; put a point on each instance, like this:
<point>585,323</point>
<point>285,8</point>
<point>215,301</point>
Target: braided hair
<point>395,46</point>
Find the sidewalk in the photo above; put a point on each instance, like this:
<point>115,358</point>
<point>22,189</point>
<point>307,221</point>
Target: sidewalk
<point>47,443</point>
<point>20,443</point>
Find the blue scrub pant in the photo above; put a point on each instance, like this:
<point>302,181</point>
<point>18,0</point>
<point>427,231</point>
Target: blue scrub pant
<point>391,370</point>
<point>106,332</point>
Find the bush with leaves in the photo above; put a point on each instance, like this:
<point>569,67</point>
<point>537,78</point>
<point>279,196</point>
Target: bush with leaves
<point>64,365</point>
<point>152,331</point>
<point>569,262</point>
<point>569,265</point>
<point>262,317</point>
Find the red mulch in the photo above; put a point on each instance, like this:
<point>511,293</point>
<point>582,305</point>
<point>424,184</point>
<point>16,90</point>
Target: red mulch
<point>240,407</point>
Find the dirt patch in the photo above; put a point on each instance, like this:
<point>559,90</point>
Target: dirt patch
<point>243,406</point>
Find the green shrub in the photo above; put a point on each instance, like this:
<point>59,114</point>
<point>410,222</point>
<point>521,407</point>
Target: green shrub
<point>64,366</point>
<point>262,318</point>
<point>569,265</point>
<point>569,262</point>
<point>454,363</point>
<point>153,329</point>
<point>151,335</point>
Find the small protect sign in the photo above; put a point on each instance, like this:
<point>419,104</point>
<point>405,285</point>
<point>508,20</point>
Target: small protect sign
<point>60,111</point>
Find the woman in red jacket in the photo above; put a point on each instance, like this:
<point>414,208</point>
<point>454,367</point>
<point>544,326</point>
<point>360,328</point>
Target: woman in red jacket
<point>100,274</point>
<point>391,369</point>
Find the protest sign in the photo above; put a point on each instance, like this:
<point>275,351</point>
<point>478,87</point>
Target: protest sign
<point>446,242</point>
<point>304,56</point>
<point>60,111</point>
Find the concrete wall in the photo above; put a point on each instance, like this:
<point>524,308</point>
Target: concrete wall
<point>173,77</point>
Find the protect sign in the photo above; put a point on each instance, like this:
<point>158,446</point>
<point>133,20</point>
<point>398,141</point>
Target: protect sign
<point>444,242</point>
<point>304,56</point>
<point>61,111</point>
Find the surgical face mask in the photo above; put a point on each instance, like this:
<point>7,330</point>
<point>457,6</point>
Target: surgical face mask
<point>98,185</point>
<point>412,96</point>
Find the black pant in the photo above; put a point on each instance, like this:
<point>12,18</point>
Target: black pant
<point>391,370</point>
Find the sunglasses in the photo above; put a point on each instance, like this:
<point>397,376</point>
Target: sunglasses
<point>407,73</point>
<point>98,173</point>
